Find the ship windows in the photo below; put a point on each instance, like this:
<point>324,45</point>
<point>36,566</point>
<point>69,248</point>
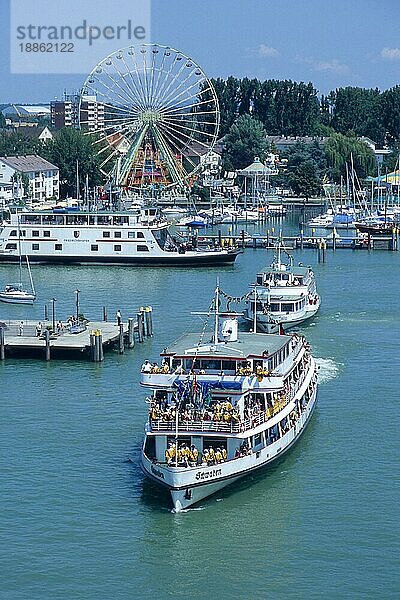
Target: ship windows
<point>46,233</point>
<point>57,246</point>
<point>210,365</point>
<point>140,234</point>
<point>13,233</point>
<point>257,440</point>
<point>106,234</point>
<point>150,447</point>
<point>117,247</point>
<point>11,246</point>
<point>94,247</point>
<point>228,365</point>
<point>131,234</point>
<point>35,233</point>
<point>287,307</point>
<point>274,307</point>
<point>259,279</point>
<point>142,248</point>
<point>35,246</point>
<point>117,234</point>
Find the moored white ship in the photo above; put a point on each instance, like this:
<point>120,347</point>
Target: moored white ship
<point>224,407</point>
<point>134,237</point>
<point>283,296</point>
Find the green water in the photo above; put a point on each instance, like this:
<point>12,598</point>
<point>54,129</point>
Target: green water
<point>78,520</point>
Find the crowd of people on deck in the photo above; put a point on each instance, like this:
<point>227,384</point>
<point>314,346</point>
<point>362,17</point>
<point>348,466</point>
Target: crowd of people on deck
<point>147,367</point>
<point>223,412</point>
<point>243,369</point>
<point>189,456</point>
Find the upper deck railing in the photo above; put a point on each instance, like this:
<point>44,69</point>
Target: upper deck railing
<point>232,426</point>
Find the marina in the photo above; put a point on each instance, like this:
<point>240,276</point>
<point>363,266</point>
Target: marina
<point>199,390</point>
<point>77,447</point>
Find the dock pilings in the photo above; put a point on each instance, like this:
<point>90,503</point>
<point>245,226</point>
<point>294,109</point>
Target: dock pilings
<point>2,348</point>
<point>91,341</point>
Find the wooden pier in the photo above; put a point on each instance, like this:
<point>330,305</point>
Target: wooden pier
<point>91,340</point>
<point>335,241</point>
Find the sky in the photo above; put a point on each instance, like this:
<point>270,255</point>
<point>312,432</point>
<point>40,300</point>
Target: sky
<point>330,43</point>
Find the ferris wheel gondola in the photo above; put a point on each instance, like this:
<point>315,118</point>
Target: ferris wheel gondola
<point>161,116</point>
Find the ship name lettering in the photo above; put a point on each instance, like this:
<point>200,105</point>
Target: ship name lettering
<point>208,474</point>
<point>156,472</point>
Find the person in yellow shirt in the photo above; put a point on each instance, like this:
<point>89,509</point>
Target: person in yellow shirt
<point>218,456</point>
<point>194,454</point>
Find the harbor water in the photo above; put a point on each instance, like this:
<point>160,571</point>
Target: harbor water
<point>79,521</point>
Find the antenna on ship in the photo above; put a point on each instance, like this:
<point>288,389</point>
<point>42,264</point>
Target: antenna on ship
<point>216,312</point>
<point>255,310</point>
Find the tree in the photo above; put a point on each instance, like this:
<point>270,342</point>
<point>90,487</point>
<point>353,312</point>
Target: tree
<point>358,110</point>
<point>22,179</point>
<point>306,167</point>
<point>344,149</point>
<point>390,104</point>
<point>305,180</point>
<point>245,140</point>
<point>68,146</point>
<point>16,144</point>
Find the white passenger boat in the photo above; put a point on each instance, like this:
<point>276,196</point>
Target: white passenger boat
<point>134,237</point>
<point>223,405</point>
<point>283,295</point>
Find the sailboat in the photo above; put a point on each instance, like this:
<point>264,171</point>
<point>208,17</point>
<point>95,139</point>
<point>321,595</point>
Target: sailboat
<point>15,293</point>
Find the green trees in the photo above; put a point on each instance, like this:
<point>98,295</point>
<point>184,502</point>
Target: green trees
<point>23,180</point>
<point>244,141</point>
<point>283,107</point>
<point>341,149</point>
<point>359,110</point>
<point>290,108</point>
<point>68,146</point>
<point>306,167</point>
<point>15,144</point>
<point>390,106</point>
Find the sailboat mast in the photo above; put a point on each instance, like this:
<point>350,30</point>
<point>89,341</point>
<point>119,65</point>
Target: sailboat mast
<point>255,310</point>
<point>19,253</point>
<point>30,276</point>
<point>77,179</point>
<point>216,314</point>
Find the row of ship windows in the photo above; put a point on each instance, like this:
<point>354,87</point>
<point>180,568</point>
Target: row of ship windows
<point>93,247</point>
<point>106,234</point>
<point>282,306</point>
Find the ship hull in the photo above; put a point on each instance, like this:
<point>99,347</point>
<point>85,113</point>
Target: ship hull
<point>265,326</point>
<point>190,488</point>
<point>193,259</point>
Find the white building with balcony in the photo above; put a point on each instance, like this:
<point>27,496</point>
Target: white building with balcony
<point>43,177</point>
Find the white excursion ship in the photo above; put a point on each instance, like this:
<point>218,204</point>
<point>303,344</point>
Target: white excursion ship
<point>283,296</point>
<point>134,237</point>
<point>224,407</point>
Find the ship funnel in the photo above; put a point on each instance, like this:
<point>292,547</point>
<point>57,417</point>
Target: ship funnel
<point>227,327</point>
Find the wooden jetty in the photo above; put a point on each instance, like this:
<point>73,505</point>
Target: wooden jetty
<point>90,340</point>
<point>335,241</point>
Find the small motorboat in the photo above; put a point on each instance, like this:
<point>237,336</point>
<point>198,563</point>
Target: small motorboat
<point>13,294</point>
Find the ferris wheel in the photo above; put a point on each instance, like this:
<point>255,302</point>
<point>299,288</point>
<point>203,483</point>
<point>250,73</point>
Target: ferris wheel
<point>156,115</point>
